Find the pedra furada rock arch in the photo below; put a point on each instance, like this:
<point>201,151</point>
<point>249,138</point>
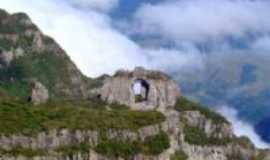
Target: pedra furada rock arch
<point>157,90</point>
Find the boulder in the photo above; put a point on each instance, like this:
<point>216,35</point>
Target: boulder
<point>6,57</point>
<point>39,94</point>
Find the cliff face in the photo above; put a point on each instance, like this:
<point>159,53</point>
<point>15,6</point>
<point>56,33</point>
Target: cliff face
<point>116,122</point>
<point>186,132</point>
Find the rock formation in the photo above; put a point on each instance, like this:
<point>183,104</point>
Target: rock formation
<point>5,58</point>
<point>157,89</point>
<point>40,93</point>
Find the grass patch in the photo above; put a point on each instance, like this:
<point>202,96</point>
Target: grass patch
<point>6,44</point>
<point>139,98</point>
<point>16,89</point>
<point>73,149</point>
<point>183,104</point>
<point>196,136</point>
<point>113,148</point>
<point>20,151</point>
<point>152,145</point>
<point>179,155</point>
<point>18,117</point>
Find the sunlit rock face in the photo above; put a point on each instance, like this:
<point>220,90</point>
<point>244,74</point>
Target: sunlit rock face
<point>141,89</point>
<point>40,94</point>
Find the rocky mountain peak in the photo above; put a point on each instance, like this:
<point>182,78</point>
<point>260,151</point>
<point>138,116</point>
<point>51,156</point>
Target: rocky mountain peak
<point>26,54</point>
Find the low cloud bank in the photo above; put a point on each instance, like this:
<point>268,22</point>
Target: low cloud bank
<point>92,42</point>
<point>242,128</point>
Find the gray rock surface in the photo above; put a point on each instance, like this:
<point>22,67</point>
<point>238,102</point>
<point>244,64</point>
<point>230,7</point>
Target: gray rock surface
<point>159,91</point>
<point>39,94</point>
<point>56,138</point>
<point>6,57</point>
<point>196,119</point>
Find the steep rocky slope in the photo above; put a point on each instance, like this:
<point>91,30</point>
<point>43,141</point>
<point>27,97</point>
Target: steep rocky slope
<point>27,55</point>
<point>76,124</point>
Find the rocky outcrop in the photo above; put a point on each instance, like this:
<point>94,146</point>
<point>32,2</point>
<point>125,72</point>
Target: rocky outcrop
<point>5,57</point>
<point>158,90</point>
<point>210,127</point>
<point>54,139</point>
<point>39,94</point>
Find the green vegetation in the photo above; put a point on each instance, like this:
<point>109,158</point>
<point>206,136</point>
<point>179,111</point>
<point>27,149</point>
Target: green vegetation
<point>244,142</point>
<point>139,98</point>
<point>179,155</point>
<point>27,152</point>
<point>196,136</point>
<point>260,156</point>
<point>18,117</point>
<point>110,148</point>
<point>14,23</point>
<point>236,155</point>
<point>52,67</point>
<point>156,144</point>
<point>152,145</point>
<point>113,148</point>
<point>24,41</point>
<point>73,149</point>
<point>49,69</point>
<point>3,14</point>
<point>183,104</point>
<point>5,44</point>
<point>16,89</point>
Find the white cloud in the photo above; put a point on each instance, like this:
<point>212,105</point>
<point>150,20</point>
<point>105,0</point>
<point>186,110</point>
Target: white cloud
<point>90,40</point>
<point>262,45</point>
<point>100,5</point>
<point>175,60</point>
<point>242,128</point>
<point>203,20</point>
